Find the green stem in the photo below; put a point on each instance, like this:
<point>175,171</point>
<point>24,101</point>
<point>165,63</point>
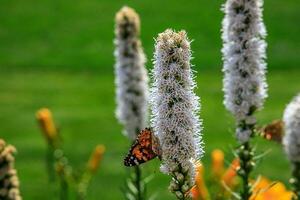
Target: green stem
<point>245,155</point>
<point>296,180</point>
<point>179,191</point>
<point>62,165</point>
<point>83,185</point>
<point>137,182</point>
<point>63,188</point>
<point>50,163</point>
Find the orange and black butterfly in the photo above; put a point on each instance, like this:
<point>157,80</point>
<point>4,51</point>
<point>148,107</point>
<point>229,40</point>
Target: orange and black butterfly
<point>273,131</point>
<point>146,147</point>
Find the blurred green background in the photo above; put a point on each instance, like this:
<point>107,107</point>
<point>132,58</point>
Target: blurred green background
<point>59,54</point>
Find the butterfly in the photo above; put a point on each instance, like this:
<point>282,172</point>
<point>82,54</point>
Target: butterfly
<point>146,147</point>
<point>273,131</point>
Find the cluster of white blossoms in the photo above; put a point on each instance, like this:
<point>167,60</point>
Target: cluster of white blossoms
<point>291,139</point>
<point>175,109</point>
<point>244,62</point>
<point>9,180</point>
<point>131,75</point>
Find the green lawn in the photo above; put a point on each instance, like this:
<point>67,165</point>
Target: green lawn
<point>59,54</point>
<point>83,106</point>
<point>78,34</point>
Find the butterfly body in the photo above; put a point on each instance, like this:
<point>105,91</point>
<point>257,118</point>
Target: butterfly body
<point>145,148</point>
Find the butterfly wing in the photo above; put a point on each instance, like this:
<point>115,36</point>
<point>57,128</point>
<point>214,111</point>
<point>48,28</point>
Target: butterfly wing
<point>274,131</point>
<point>141,150</point>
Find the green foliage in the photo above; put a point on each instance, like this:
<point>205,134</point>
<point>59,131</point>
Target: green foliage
<point>134,188</point>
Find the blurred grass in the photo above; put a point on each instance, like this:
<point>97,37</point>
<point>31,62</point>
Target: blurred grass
<point>58,54</point>
<point>83,107</point>
<point>79,34</point>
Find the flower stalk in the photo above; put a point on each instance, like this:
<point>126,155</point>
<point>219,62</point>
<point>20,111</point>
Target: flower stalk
<point>64,173</point>
<point>47,125</point>
<point>175,109</point>
<point>9,181</point>
<point>245,155</point>
<point>49,130</point>
<point>244,82</point>
<point>138,182</point>
<point>58,164</point>
<point>295,180</point>
<point>95,159</point>
<point>91,169</point>
<point>291,141</point>
<point>131,84</point>
<point>130,74</point>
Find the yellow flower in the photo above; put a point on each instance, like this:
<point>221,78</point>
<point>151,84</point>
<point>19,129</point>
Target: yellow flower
<point>229,177</point>
<point>47,125</point>
<point>199,191</point>
<point>217,163</point>
<point>265,190</point>
<point>95,158</point>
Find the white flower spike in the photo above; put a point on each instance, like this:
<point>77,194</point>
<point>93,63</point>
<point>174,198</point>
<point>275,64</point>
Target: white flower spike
<point>131,74</point>
<point>244,56</point>
<point>175,109</point>
<point>291,139</point>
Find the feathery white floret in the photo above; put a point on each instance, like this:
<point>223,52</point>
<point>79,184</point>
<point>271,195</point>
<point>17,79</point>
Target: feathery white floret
<point>244,56</point>
<point>131,75</point>
<point>9,181</point>
<point>175,106</point>
<point>291,139</point>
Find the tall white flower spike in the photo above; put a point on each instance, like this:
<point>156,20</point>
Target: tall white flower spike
<point>291,139</point>
<point>244,68</point>
<point>131,75</point>
<point>175,109</point>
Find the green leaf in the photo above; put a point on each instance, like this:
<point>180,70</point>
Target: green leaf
<point>132,187</point>
<point>148,178</point>
<point>130,196</point>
